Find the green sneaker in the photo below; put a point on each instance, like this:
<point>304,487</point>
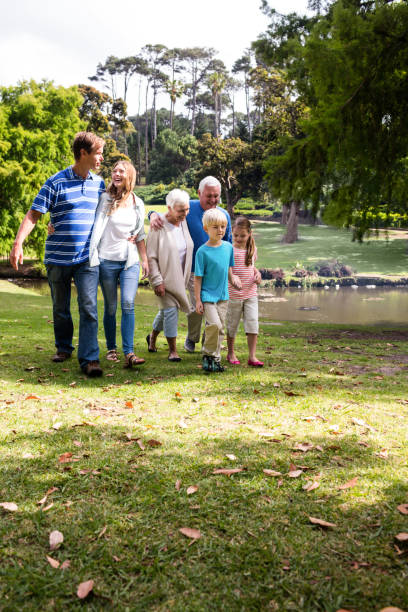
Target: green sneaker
<point>218,367</point>
<point>207,363</point>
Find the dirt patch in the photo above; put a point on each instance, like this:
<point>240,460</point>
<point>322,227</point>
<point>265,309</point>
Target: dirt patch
<point>392,335</point>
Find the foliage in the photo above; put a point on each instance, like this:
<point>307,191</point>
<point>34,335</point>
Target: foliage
<point>172,156</point>
<point>37,124</point>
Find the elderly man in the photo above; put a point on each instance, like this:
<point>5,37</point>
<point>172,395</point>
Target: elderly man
<point>209,192</point>
<point>71,197</point>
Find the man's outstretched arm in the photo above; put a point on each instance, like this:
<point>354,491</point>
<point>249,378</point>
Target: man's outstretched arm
<point>26,227</point>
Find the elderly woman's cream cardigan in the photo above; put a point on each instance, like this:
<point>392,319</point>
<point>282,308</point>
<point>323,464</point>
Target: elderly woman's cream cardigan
<point>165,266</point>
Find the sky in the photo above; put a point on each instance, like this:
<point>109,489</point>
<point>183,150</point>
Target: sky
<point>63,40</point>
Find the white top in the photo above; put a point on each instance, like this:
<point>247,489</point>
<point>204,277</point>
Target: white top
<point>114,241</point>
<point>181,244</point>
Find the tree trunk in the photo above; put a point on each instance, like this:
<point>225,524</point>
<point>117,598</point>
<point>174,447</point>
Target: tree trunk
<point>230,202</point>
<point>146,137</point>
<point>285,214</point>
<point>291,235</point>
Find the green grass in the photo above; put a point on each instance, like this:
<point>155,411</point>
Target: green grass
<point>121,516</point>
<point>317,243</point>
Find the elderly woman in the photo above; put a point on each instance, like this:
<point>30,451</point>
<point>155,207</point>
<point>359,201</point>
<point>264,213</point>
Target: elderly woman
<point>169,253</point>
<point>118,247</point>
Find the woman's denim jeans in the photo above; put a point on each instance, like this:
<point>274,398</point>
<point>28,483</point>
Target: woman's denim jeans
<point>110,273</point>
<point>86,282</point>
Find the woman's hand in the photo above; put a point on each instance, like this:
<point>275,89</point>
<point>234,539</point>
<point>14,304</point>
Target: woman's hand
<point>145,269</point>
<point>156,222</point>
<point>50,229</point>
<point>160,290</point>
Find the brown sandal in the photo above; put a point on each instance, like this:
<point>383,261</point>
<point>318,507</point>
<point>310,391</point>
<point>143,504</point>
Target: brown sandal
<point>131,360</point>
<point>112,355</point>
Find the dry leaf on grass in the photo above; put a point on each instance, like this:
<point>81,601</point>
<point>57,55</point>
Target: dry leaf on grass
<point>391,609</point>
<point>65,564</point>
<point>53,562</point>
<point>271,472</point>
<point>295,473</point>
<point>304,447</point>
<point>77,443</point>
<point>194,534</point>
<point>56,539</point>
<point>85,588</point>
<point>46,508</point>
<point>192,489</point>
<point>140,444</point>
<point>65,458</point>
<point>402,540</point>
<point>383,453</point>
<point>129,404</point>
<point>348,485</point>
<point>231,457</point>
<point>9,506</point>
<point>102,532</point>
<point>320,522</point>
<point>153,443</point>
<point>34,397</point>
<point>311,485</point>
<point>228,472</point>
<point>403,508</point>
<point>178,485</point>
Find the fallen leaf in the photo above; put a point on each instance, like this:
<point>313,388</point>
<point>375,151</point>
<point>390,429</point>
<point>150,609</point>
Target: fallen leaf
<point>391,609</point>
<point>77,443</point>
<point>194,534</point>
<point>102,532</point>
<point>402,540</point>
<point>311,485</point>
<point>140,444</point>
<point>335,430</point>
<point>227,471</point>
<point>29,397</point>
<point>304,447</point>
<point>116,558</point>
<point>65,458</point>
<point>403,508</point>
<point>383,453</point>
<point>65,564</point>
<point>195,399</point>
<point>153,443</point>
<point>182,424</point>
<point>73,384</point>
<point>28,456</point>
<point>271,472</point>
<point>9,506</point>
<point>57,426</point>
<point>295,473</point>
<point>177,394</point>
<point>320,522</point>
<point>129,404</point>
<point>192,489</point>
<point>56,539</point>
<point>231,457</point>
<point>178,485</point>
<point>348,485</point>
<point>53,562</point>
<point>85,588</point>
<point>47,507</point>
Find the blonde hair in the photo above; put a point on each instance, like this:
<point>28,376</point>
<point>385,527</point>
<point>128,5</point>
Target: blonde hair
<point>116,194</point>
<point>214,216</point>
<point>245,224</point>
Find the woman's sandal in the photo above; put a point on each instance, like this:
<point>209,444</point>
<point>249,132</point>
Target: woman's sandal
<point>131,360</point>
<point>112,355</point>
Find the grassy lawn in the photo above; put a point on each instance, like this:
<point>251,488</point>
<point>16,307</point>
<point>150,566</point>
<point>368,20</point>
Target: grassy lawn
<point>317,243</point>
<point>328,411</point>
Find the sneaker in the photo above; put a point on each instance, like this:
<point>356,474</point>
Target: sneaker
<point>92,369</point>
<point>60,356</point>
<point>189,345</point>
<point>217,367</point>
<point>208,363</point>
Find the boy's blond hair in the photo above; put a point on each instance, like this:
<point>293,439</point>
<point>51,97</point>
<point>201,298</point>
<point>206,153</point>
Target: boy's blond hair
<point>213,216</point>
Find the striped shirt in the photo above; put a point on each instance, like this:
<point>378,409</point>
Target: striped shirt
<point>71,201</point>
<point>246,274</point>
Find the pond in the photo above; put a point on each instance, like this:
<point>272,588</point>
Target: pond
<point>344,306</point>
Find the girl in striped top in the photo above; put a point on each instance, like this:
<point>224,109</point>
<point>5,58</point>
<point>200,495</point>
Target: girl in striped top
<point>243,302</point>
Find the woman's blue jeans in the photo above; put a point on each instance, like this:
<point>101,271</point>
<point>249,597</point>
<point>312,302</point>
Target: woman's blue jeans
<point>110,274</point>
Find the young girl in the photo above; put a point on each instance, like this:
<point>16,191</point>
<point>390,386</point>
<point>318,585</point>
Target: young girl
<point>243,301</point>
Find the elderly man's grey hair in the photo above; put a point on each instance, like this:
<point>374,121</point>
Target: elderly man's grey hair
<point>208,181</point>
<point>177,196</point>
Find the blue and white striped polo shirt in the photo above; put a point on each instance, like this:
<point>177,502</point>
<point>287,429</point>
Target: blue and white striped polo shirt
<point>71,201</point>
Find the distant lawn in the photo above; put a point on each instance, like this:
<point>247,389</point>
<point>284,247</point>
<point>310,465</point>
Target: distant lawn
<point>316,243</point>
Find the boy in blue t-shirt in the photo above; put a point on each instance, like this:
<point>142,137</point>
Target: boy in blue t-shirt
<point>213,269</point>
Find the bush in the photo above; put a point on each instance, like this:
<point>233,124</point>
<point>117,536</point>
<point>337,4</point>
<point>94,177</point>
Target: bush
<point>333,268</point>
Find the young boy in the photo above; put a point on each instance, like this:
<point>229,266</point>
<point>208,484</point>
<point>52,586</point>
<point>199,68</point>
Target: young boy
<point>213,269</point>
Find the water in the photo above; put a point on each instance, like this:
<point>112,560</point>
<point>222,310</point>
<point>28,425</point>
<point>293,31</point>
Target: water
<point>382,306</point>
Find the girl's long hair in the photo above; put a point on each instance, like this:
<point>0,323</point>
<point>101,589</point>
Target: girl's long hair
<point>122,192</point>
<point>250,244</point>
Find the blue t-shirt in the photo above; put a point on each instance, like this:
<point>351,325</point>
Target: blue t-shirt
<point>195,226</point>
<point>212,263</point>
<point>71,201</point>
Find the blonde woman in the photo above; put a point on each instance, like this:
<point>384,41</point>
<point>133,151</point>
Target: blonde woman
<point>117,245</point>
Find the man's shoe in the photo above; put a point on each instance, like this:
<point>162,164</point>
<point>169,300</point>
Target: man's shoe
<point>92,369</point>
<point>60,356</point>
<point>218,367</point>
<point>189,345</point>
<point>207,363</point>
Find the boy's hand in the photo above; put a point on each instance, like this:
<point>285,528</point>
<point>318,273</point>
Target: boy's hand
<point>257,276</point>
<point>236,282</point>
<point>199,307</point>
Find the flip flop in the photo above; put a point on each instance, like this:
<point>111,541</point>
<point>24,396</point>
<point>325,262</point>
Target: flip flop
<point>148,345</point>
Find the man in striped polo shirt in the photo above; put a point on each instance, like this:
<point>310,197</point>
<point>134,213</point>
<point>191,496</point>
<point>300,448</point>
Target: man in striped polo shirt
<point>71,197</point>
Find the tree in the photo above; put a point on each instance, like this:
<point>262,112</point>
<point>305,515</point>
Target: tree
<point>200,61</point>
<point>94,109</point>
<point>235,163</point>
<point>244,65</point>
<point>216,81</point>
<point>37,124</point>
<point>172,156</point>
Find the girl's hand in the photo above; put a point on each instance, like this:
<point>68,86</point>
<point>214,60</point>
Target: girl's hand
<point>160,290</point>
<point>199,307</point>
<point>50,229</point>
<point>257,276</point>
<point>236,282</point>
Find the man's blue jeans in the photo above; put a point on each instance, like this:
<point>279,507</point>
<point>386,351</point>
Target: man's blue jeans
<point>86,282</point>
<point>110,273</point>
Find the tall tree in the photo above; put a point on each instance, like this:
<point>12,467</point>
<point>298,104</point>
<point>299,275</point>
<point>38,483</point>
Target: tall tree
<point>199,61</point>
<point>243,65</point>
